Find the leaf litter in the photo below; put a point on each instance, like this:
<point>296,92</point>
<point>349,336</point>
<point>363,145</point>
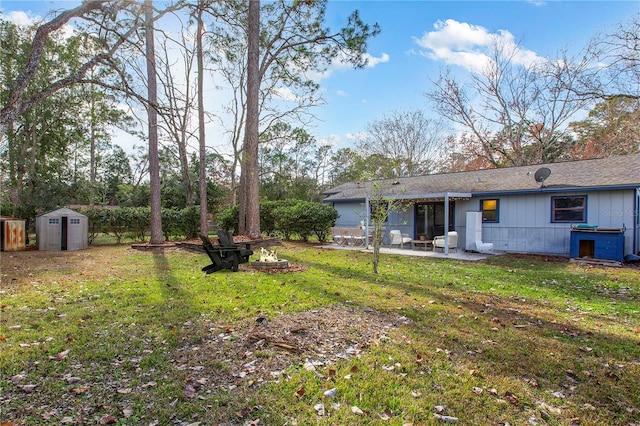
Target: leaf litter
<point>254,352</point>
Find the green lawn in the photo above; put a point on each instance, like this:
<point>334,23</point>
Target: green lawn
<point>112,335</point>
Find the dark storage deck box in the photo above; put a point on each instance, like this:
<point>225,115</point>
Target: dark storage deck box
<point>597,243</point>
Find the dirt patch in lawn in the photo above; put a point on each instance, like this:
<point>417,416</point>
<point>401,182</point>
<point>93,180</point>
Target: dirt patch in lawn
<point>261,350</point>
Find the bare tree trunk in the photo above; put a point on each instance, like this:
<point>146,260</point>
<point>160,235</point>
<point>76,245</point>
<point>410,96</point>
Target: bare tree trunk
<point>154,163</point>
<point>204,227</point>
<point>92,172</point>
<point>250,157</point>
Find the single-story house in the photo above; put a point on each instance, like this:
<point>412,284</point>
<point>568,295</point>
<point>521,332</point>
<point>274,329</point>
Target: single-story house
<point>62,229</point>
<point>545,208</point>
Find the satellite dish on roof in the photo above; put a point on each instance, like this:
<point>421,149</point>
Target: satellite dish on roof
<point>542,174</point>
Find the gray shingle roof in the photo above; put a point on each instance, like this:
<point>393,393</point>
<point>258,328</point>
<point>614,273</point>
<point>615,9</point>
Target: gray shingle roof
<point>611,172</point>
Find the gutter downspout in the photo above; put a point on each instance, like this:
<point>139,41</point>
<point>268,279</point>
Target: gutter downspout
<point>446,223</point>
<point>367,215</point>
<point>636,220</point>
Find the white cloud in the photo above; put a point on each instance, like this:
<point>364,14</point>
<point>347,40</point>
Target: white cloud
<point>23,19</point>
<point>338,64</point>
<point>331,140</point>
<point>360,136</point>
<point>372,61</point>
<point>285,94</point>
<point>469,46</point>
<point>341,93</point>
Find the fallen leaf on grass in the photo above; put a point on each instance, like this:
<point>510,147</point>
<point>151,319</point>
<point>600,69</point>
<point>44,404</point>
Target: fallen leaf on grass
<point>189,389</point>
<point>60,356</point>
<point>72,379</point>
<point>48,414</point>
<point>27,388</point>
<point>416,393</point>
<point>531,380</point>
<point>80,390</point>
<point>319,409</point>
<point>446,419</point>
<point>243,413</point>
<point>127,412</point>
<point>356,410</point>
<point>124,391</point>
<point>477,390</point>
<point>18,378</point>
<point>300,393</point>
<point>108,419</point>
<point>511,398</point>
<point>330,393</point>
<point>385,415</point>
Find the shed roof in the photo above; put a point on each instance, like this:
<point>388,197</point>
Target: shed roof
<point>61,212</point>
<point>616,172</point>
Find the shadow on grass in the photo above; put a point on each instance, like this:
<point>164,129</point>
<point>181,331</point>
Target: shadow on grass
<point>523,334</point>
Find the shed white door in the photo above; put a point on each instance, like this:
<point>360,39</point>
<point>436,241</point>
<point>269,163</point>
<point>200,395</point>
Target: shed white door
<point>74,234</point>
<point>53,234</point>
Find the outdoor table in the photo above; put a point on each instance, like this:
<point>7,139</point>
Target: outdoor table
<point>417,243</point>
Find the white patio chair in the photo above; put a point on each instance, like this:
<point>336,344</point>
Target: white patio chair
<point>397,237</point>
<point>438,242</point>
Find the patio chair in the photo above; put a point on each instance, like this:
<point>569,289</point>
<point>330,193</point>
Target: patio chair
<point>397,237</point>
<point>357,236</point>
<point>337,235</point>
<point>438,242</point>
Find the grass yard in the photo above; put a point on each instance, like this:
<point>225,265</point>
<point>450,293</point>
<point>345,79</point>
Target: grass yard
<point>111,335</point>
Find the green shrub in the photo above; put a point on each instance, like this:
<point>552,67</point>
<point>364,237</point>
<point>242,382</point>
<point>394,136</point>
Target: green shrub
<point>228,218</point>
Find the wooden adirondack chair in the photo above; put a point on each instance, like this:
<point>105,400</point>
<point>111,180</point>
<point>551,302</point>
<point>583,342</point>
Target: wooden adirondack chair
<point>225,255</point>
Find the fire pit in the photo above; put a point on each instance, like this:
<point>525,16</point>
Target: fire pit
<point>269,260</point>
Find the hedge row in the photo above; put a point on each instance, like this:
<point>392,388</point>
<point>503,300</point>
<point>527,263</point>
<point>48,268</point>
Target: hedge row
<point>134,222</point>
<point>287,218</point>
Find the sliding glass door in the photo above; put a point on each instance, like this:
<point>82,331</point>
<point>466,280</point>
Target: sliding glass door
<point>430,219</point>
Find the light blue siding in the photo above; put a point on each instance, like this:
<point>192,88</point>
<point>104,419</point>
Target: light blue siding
<point>525,220</point>
<point>351,213</point>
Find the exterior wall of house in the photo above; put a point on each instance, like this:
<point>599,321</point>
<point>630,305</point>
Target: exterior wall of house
<point>525,221</point>
<point>351,213</point>
<point>525,224</point>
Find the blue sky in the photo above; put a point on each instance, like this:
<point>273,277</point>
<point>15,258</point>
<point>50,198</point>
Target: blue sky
<point>419,39</point>
<point>356,97</point>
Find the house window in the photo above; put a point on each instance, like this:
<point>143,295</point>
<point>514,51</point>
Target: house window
<point>569,209</point>
<point>74,221</point>
<point>489,210</point>
<point>54,221</point>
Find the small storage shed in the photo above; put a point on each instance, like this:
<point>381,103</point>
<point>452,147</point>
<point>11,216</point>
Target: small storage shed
<point>62,229</point>
<point>12,234</point>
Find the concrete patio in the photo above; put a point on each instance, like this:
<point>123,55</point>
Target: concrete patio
<point>453,254</point>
